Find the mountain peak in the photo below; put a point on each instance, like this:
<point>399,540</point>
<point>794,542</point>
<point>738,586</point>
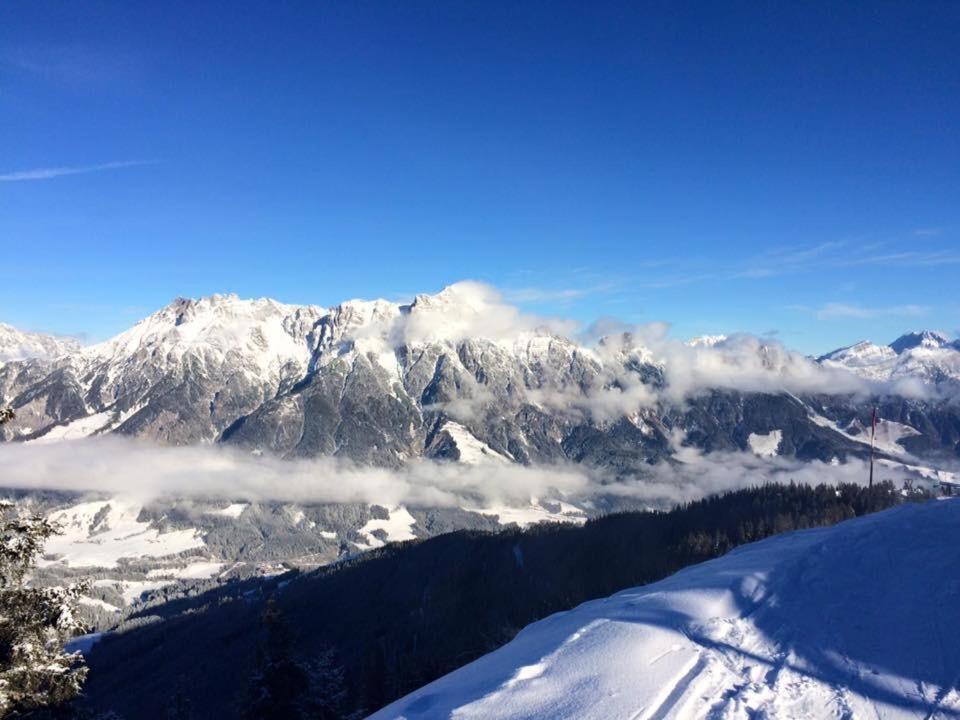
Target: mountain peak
<point>466,294</point>
<point>920,338</point>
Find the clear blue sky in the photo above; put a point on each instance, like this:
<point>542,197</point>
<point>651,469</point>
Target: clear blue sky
<point>756,166</point>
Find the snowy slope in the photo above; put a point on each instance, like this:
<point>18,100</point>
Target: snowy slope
<point>857,620</point>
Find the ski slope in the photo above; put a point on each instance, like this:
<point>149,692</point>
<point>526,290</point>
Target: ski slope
<point>855,621</point>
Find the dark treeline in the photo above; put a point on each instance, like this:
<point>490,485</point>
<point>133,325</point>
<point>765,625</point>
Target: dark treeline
<point>397,618</point>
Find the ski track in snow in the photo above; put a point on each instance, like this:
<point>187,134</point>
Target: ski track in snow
<point>858,620</point>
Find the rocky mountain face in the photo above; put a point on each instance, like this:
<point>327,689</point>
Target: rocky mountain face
<point>461,376</point>
<point>180,376</point>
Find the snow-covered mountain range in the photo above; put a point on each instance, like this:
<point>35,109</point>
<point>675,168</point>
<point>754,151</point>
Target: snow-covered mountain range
<point>925,355</point>
<point>20,345</point>
<point>461,375</point>
<point>846,621</point>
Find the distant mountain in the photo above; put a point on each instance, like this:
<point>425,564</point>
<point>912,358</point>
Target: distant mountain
<point>838,622</point>
<point>21,345</point>
<point>178,376</point>
<point>926,355</point>
<point>460,376</point>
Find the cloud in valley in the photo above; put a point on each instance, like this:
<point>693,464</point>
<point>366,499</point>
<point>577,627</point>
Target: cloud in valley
<point>142,471</point>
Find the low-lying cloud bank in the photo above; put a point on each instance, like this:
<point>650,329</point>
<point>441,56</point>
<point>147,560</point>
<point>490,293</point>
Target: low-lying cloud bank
<point>130,468</point>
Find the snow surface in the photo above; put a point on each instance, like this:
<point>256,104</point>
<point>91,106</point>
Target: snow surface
<point>397,527</point>
<point>926,355</point>
<point>234,510</point>
<point>532,514</point>
<point>132,590</point>
<point>97,603</point>
<point>79,428</point>
<point>765,445</point>
<point>100,533</point>
<point>472,450</point>
<point>83,643</point>
<point>857,620</point>
<point>888,436</point>
<point>199,570</point>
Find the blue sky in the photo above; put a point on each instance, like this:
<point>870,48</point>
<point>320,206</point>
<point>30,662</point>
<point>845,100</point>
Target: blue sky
<point>762,167</point>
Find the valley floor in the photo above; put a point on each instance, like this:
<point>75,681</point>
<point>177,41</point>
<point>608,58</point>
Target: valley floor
<point>856,620</point>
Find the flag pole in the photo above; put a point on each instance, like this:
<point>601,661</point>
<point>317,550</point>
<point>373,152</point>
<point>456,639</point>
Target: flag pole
<point>873,435</point>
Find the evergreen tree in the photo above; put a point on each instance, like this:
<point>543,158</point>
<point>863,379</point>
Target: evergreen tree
<point>285,688</point>
<point>35,672</point>
<point>180,707</point>
<point>326,697</point>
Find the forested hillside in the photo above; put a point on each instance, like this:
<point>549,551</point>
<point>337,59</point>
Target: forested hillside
<point>359,634</point>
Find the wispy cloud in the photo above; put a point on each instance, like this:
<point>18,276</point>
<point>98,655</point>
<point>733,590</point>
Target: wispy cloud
<point>75,66</point>
<point>835,310</point>
<point>539,294</point>
<point>778,262</point>
<point>104,465</point>
<point>55,172</point>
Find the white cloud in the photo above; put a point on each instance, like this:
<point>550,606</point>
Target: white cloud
<point>470,309</point>
<point>540,294</point>
<point>741,362</point>
<point>139,469</point>
<point>698,475</point>
<point>142,471</point>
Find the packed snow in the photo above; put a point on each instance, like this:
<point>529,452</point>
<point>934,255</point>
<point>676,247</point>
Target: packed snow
<point>857,620</point>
